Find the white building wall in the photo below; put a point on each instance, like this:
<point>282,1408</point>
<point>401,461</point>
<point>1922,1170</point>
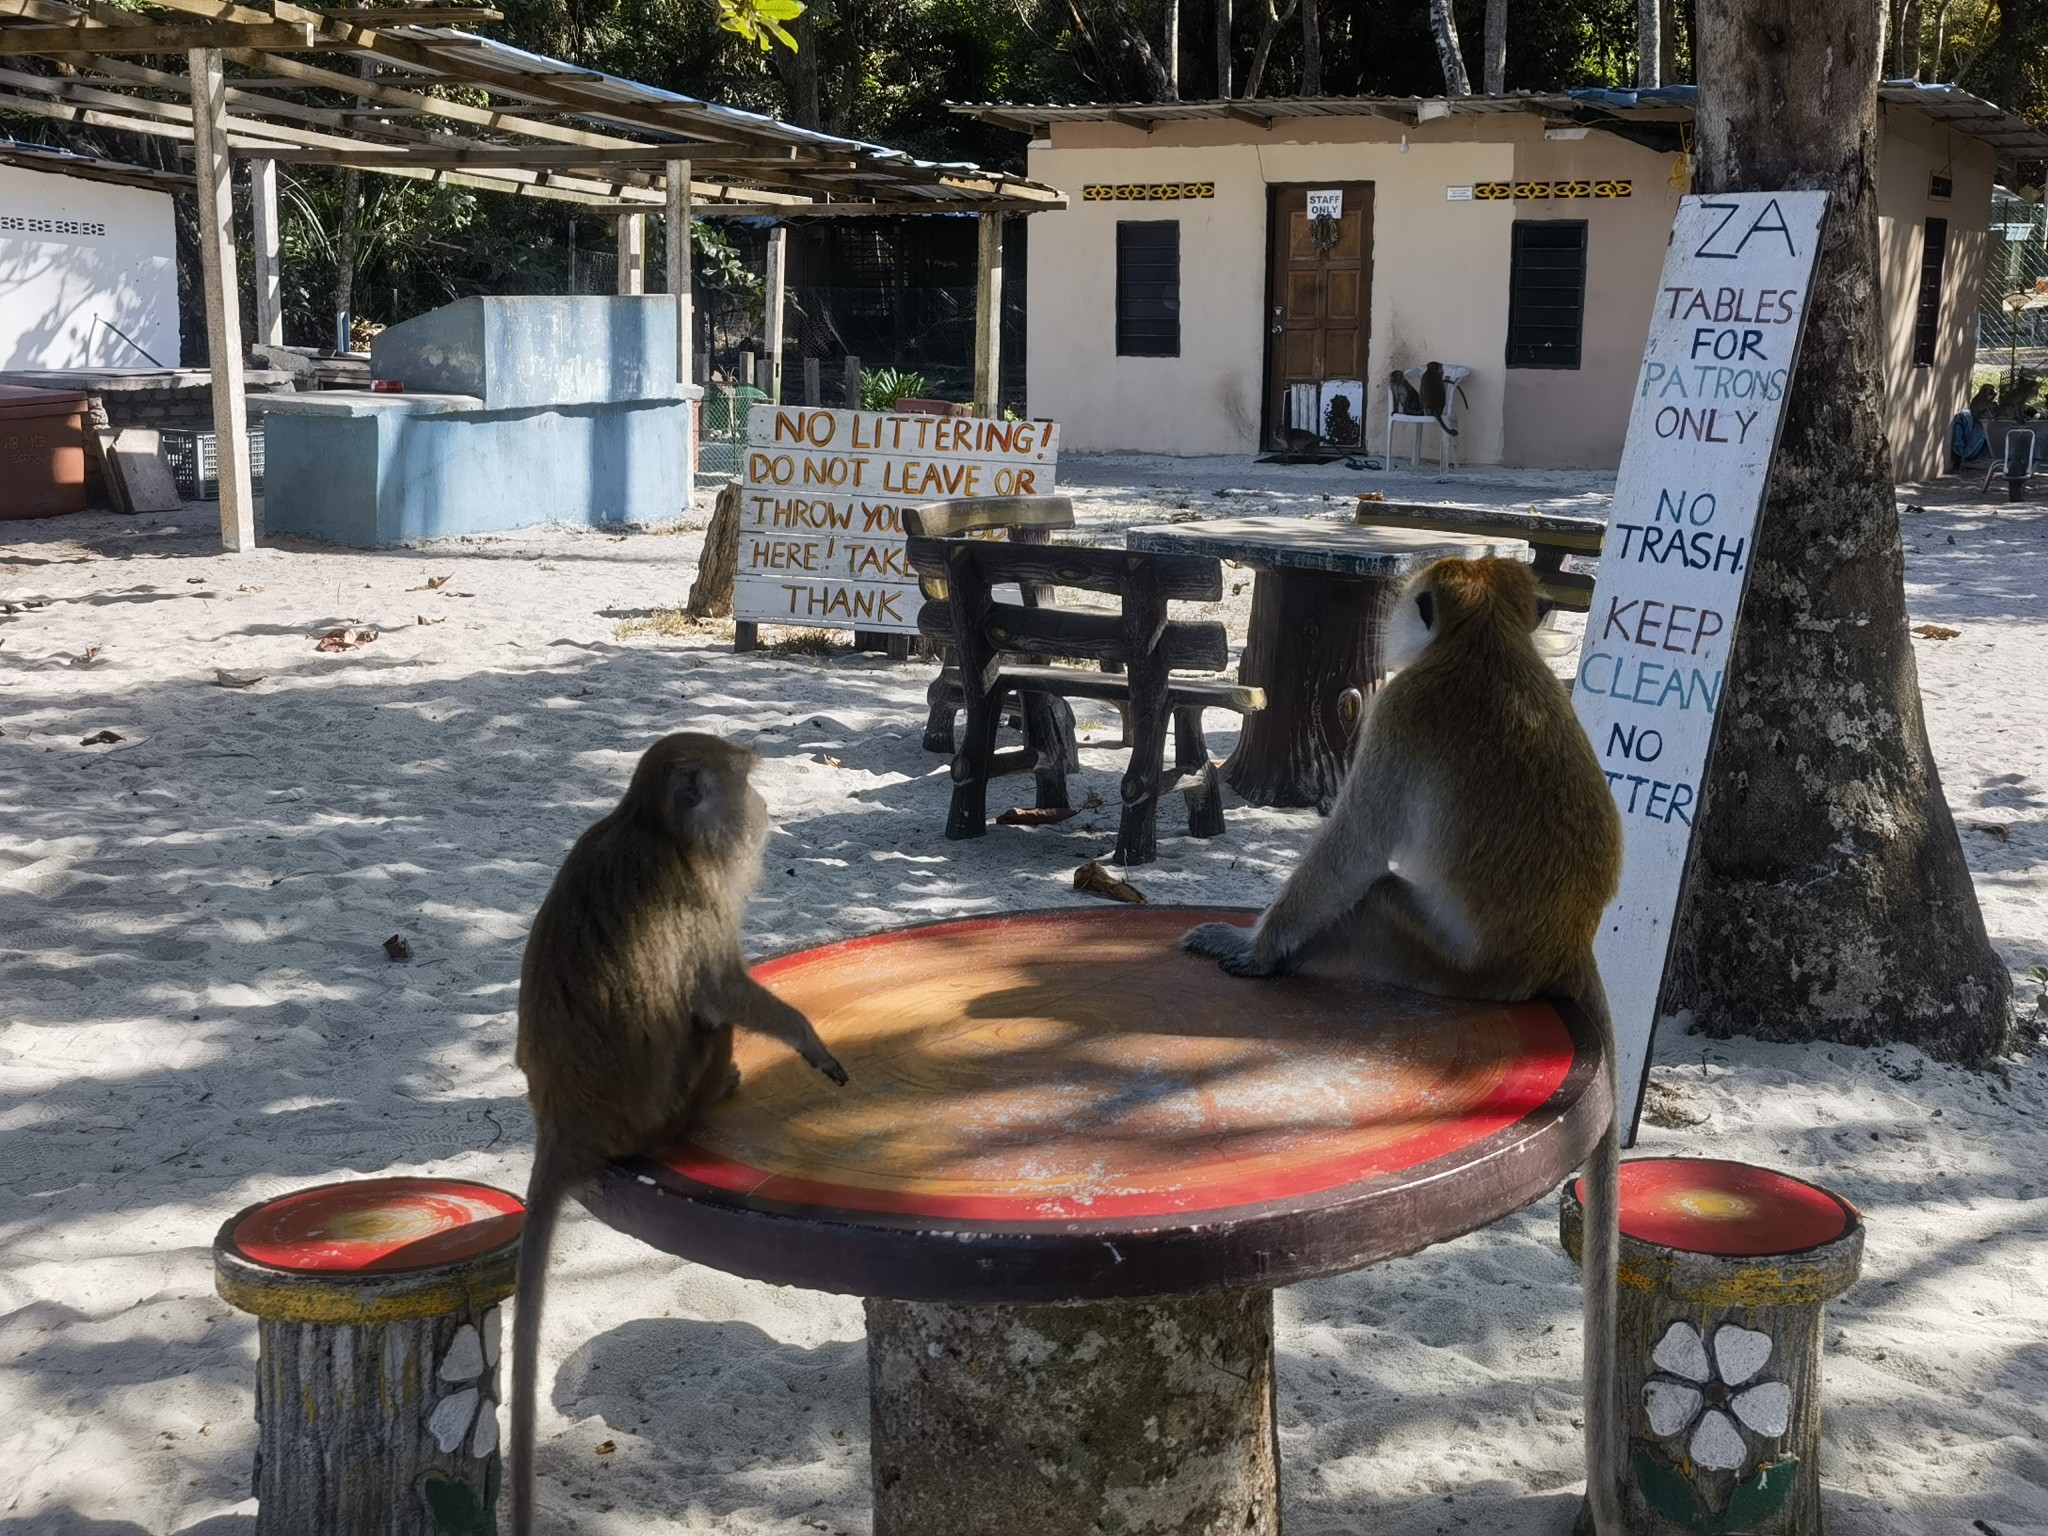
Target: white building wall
<point>76,257</point>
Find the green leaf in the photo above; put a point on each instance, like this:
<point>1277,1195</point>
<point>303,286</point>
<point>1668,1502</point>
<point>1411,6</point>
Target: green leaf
<point>1671,1496</point>
<point>1756,1499</point>
<point>760,21</point>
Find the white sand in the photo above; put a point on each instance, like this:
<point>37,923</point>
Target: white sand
<point>195,1013</point>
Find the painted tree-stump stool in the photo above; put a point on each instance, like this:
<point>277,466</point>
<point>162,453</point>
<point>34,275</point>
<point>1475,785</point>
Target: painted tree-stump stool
<point>1725,1269</point>
<point>377,1368</point>
<point>1071,1165</point>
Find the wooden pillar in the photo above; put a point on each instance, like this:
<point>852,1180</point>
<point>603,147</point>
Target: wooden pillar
<point>378,1335</point>
<point>269,280</point>
<point>678,276</point>
<point>1152,1415</point>
<point>988,318</point>
<point>632,253</point>
<point>223,299</point>
<point>778,272</point>
<point>852,383</point>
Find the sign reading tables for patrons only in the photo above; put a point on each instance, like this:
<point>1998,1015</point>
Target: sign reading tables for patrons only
<point>821,506</point>
<point>1675,559</point>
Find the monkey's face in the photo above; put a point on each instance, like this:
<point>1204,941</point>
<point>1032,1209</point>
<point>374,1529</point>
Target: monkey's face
<point>1412,624</point>
<point>699,787</point>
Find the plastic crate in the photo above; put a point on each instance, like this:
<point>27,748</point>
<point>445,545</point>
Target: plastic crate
<point>195,466</point>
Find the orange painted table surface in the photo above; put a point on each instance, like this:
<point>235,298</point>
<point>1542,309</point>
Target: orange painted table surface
<point>1066,1106</point>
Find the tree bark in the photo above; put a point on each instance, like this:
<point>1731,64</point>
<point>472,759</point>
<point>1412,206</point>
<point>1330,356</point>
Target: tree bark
<point>1276,18</point>
<point>1667,41</point>
<point>1909,40</point>
<point>1649,45</point>
<point>345,242</point>
<point>1445,26</point>
<point>1494,60</point>
<point>1223,50</point>
<point>1311,50</point>
<point>718,563</point>
<point>798,72</point>
<point>1171,48</point>
<point>1829,897</point>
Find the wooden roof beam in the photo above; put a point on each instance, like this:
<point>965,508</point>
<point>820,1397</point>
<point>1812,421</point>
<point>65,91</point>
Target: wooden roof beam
<point>19,42</point>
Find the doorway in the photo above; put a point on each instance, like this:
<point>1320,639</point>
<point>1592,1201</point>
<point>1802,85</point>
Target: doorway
<point>1319,316</point>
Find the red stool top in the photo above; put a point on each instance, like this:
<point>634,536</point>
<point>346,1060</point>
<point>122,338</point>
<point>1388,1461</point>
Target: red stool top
<point>378,1226</point>
<point>1732,1210</point>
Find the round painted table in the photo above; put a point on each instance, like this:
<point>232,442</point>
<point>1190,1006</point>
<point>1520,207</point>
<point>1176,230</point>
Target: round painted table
<point>1070,1166</point>
<point>1319,602</point>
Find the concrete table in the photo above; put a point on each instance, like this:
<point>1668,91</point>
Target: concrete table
<point>1071,1165</point>
<point>1318,604</point>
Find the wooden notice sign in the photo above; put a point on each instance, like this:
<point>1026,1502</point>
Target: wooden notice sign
<point>1676,557</point>
<point>821,525</point>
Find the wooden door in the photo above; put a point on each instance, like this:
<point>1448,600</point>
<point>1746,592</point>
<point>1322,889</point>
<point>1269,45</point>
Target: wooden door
<point>1319,308</point>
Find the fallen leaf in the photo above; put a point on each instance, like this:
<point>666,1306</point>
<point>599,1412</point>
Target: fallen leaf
<point>345,639</point>
<point>830,762</point>
<point>396,948</point>
<point>1998,829</point>
<point>1935,632</point>
<point>1035,816</point>
<point>1093,802</point>
<point>433,584</point>
<point>224,679</point>
<point>606,1447</point>
<point>1370,496</point>
<point>423,620</point>
<point>92,654</point>
<point>101,739</point>
<point>1093,877</point>
<point>246,588</point>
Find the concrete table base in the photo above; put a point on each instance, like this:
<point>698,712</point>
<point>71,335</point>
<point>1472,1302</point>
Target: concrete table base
<point>1153,1418</point>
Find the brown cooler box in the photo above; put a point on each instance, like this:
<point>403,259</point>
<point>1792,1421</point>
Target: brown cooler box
<point>42,451</point>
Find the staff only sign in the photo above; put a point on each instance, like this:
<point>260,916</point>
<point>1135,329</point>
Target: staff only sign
<point>821,506</point>
<point>1676,557</point>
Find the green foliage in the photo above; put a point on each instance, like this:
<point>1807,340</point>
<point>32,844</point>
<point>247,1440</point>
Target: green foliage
<point>760,21</point>
<point>881,388</point>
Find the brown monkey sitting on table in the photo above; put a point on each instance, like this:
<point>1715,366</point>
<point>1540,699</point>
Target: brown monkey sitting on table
<point>1471,851</point>
<point>630,988</point>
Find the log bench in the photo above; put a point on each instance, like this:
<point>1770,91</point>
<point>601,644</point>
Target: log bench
<point>1724,1271</point>
<point>377,1352</point>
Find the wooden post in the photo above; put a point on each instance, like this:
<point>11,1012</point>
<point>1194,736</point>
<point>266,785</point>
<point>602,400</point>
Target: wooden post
<point>711,593</point>
<point>988,318</point>
<point>678,275</point>
<point>1718,1355</point>
<point>1063,1420</point>
<point>852,383</point>
<point>377,1379</point>
<point>212,166</point>
<point>778,269</point>
<point>269,278</point>
<point>747,369</point>
<point>814,390</point>
<point>632,244</point>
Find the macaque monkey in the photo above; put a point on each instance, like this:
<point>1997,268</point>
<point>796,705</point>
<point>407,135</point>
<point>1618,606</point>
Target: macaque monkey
<point>628,994</point>
<point>1434,391</point>
<point>1406,401</point>
<point>1471,851</point>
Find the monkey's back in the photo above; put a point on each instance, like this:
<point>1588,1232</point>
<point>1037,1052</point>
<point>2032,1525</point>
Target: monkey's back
<point>606,984</point>
<point>1507,742</point>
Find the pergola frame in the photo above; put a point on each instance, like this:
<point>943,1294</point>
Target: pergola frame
<point>522,124</point>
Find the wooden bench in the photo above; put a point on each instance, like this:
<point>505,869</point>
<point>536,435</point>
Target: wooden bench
<point>1002,648</point>
<point>1553,536</point>
<point>1724,1271</point>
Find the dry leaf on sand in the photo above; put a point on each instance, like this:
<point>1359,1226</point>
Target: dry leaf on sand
<point>101,739</point>
<point>433,584</point>
<point>1092,877</point>
<point>423,620</point>
<point>226,679</point>
<point>345,639</point>
<point>1935,632</point>
<point>397,948</point>
<point>1035,816</point>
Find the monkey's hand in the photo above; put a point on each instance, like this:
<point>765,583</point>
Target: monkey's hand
<point>1230,944</point>
<point>831,1068</point>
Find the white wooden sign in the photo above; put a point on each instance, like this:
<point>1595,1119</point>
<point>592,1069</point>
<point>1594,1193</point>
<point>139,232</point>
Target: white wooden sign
<point>822,496</point>
<point>1676,556</point>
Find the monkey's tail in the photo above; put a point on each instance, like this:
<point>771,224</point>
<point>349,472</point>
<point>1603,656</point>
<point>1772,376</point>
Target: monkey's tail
<point>544,1190</point>
<point>1445,426</point>
<point>1599,1259</point>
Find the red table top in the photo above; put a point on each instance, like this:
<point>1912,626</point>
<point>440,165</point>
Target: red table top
<point>378,1226</point>
<point>1044,1103</point>
<point>1736,1210</point>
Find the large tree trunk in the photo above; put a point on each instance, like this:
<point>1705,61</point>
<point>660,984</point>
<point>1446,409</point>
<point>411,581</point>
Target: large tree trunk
<point>1223,50</point>
<point>346,239</point>
<point>1909,40</point>
<point>1445,26</point>
<point>1276,18</point>
<point>1649,43</point>
<point>1829,898</point>
<point>1171,49</point>
<point>798,72</point>
<point>1311,50</point>
<point>1493,67</point>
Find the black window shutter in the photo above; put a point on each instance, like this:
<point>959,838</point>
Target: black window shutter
<point>1148,288</point>
<point>1547,293</point>
<point>1927,311</point>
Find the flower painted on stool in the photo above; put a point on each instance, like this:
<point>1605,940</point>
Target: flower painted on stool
<point>470,1368</point>
<point>1704,1401</point>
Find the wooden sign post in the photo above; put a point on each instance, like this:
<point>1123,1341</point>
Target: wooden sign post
<point>821,504</point>
<point>1694,470</point>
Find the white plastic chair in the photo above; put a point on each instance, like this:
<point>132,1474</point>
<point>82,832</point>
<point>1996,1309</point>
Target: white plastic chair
<point>2016,458</point>
<point>1446,444</point>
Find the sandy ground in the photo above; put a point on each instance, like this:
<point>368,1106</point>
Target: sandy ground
<point>196,1013</point>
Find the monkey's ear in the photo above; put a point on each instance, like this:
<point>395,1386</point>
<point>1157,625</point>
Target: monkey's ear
<point>1425,605</point>
<point>1544,606</point>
